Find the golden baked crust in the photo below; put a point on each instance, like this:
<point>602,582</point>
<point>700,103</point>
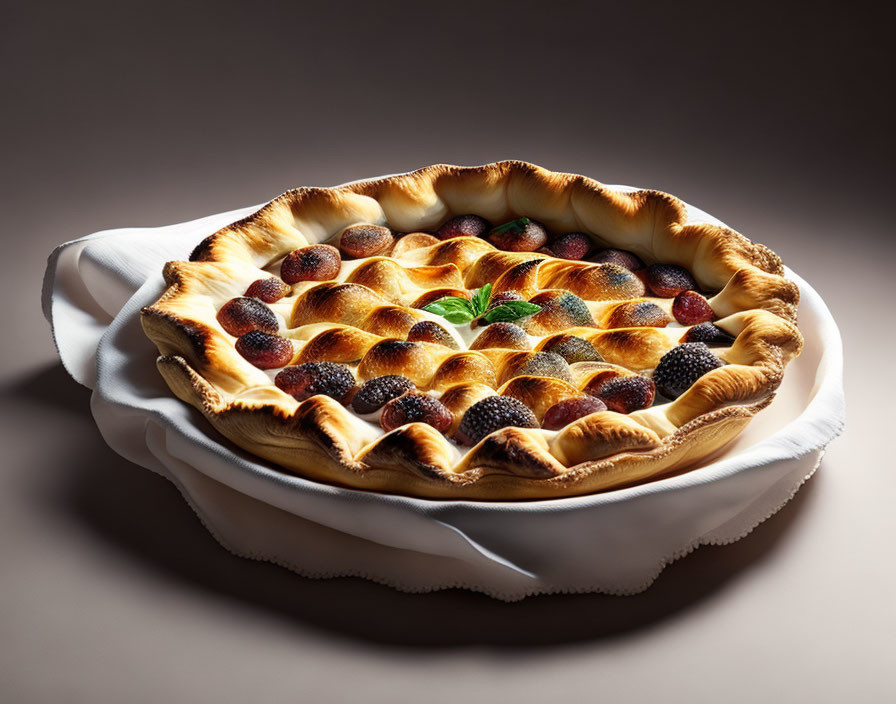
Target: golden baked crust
<point>347,320</point>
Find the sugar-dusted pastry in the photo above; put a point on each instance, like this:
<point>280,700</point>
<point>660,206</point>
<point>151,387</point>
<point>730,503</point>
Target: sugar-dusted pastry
<point>497,332</point>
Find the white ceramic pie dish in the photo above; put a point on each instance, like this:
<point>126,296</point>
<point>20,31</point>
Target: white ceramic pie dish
<point>615,542</point>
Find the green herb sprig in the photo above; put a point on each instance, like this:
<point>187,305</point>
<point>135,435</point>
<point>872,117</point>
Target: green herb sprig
<point>518,224</point>
<point>459,310</point>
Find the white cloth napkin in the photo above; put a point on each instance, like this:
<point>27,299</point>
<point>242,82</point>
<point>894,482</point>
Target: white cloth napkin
<point>616,542</point>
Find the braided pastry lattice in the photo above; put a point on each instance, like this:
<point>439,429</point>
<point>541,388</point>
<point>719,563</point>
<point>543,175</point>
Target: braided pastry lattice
<point>362,319</point>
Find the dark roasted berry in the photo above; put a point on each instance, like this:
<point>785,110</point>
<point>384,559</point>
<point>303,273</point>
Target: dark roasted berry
<point>573,349</point>
<point>463,226</point>
<point>711,334</point>
<point>690,308</point>
<point>668,280</point>
<point>241,315</point>
<point>269,290</point>
<point>431,331</point>
<point>365,240</point>
<point>312,378</point>
<point>625,259</point>
<point>265,351</point>
<point>414,407</point>
<point>597,380</point>
<point>523,235</point>
<point>493,413</point>
<point>565,412</point>
<point>681,366</point>
<point>572,245</point>
<point>317,262</point>
<point>625,394</point>
<point>377,392</point>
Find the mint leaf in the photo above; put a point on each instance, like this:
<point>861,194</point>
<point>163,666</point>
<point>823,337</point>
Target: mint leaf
<point>458,317</point>
<point>481,299</point>
<point>457,310</point>
<point>453,308</point>
<point>510,311</point>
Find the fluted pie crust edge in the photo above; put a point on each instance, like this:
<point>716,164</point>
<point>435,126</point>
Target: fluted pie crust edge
<point>320,439</point>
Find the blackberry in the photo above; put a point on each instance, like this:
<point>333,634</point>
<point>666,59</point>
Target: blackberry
<point>681,366</point>
<point>415,407</point>
<point>493,413</point>
<point>306,380</point>
<point>377,392</point>
<point>710,334</point>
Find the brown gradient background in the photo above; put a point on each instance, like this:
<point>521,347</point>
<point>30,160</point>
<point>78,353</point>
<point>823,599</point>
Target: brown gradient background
<point>780,122</point>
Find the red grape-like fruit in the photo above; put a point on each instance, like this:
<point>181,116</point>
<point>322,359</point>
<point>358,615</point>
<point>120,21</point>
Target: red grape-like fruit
<point>241,315</point>
<point>265,351</point>
<point>268,290</point>
<point>690,308</point>
<point>572,245</point>
<point>527,237</point>
<point>622,257</point>
<point>463,226</point>
<point>317,262</point>
<point>565,412</point>
<point>668,280</point>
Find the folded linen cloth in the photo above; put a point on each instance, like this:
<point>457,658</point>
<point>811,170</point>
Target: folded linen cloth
<point>616,542</point>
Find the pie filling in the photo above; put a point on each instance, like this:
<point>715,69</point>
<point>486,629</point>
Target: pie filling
<point>477,327</point>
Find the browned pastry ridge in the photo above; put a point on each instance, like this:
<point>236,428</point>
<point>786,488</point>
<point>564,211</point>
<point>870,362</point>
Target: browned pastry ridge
<point>355,320</point>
